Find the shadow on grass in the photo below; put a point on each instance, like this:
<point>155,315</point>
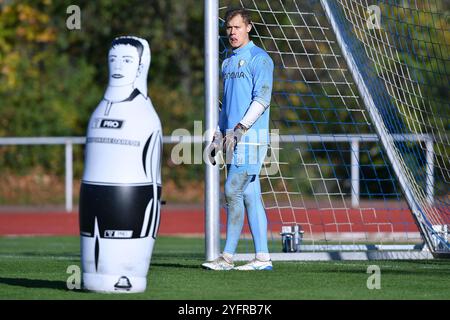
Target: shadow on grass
<point>40,284</point>
<point>179,255</point>
<point>175,265</point>
<point>35,283</point>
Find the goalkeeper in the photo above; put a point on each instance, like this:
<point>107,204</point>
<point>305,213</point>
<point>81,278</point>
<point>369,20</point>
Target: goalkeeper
<point>244,120</point>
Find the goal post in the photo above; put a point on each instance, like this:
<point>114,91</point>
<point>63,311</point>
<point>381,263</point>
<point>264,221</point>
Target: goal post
<point>212,177</point>
<point>360,121</point>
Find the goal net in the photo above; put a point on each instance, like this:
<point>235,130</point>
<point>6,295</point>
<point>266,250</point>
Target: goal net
<point>358,166</point>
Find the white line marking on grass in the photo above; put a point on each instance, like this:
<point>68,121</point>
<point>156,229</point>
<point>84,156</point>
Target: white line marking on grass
<point>387,266</point>
<point>13,256</point>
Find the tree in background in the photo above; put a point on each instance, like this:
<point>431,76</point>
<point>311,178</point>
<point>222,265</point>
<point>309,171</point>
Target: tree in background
<point>53,77</point>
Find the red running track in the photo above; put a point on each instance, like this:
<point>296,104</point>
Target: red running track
<point>190,221</point>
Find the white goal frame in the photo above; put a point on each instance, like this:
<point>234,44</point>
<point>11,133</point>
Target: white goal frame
<point>212,174</point>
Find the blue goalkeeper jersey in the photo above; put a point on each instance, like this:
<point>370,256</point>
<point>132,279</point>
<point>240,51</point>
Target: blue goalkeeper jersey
<point>247,75</point>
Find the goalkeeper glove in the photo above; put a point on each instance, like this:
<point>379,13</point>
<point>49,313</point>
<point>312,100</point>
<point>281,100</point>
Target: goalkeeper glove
<point>233,137</point>
<point>214,147</point>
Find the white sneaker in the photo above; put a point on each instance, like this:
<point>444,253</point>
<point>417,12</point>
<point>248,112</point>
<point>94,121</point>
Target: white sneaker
<point>219,264</point>
<point>256,265</point>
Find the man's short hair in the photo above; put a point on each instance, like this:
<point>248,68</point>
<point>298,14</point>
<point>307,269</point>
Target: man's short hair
<point>233,12</point>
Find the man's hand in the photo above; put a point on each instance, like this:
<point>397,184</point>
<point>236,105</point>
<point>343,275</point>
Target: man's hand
<point>214,147</point>
<point>233,137</point>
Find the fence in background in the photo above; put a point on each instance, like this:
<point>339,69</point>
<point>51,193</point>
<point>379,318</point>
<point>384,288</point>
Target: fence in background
<point>353,140</point>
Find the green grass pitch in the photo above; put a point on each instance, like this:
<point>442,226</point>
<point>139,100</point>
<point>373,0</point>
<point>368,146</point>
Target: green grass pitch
<point>36,268</point>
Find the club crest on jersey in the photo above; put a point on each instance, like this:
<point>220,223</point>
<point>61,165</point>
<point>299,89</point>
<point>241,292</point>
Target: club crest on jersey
<point>241,63</point>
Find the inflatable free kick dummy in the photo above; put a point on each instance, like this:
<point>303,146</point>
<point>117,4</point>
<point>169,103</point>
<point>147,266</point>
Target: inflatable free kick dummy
<point>121,185</point>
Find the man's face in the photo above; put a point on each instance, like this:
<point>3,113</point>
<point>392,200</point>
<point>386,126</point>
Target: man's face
<point>237,32</point>
<point>123,65</point>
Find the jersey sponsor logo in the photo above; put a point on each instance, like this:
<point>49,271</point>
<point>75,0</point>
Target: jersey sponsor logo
<point>118,234</point>
<point>107,123</point>
<point>233,75</point>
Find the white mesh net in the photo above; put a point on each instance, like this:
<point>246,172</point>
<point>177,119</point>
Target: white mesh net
<point>331,172</point>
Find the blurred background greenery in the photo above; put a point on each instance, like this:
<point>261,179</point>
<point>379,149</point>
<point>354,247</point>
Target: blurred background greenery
<point>52,78</point>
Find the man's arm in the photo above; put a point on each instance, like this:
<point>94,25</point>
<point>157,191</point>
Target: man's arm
<point>253,113</point>
<point>262,72</point>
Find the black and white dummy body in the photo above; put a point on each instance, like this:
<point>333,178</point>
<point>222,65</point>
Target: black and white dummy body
<point>121,185</point>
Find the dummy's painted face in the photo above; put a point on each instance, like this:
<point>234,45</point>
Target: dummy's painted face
<point>123,65</point>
